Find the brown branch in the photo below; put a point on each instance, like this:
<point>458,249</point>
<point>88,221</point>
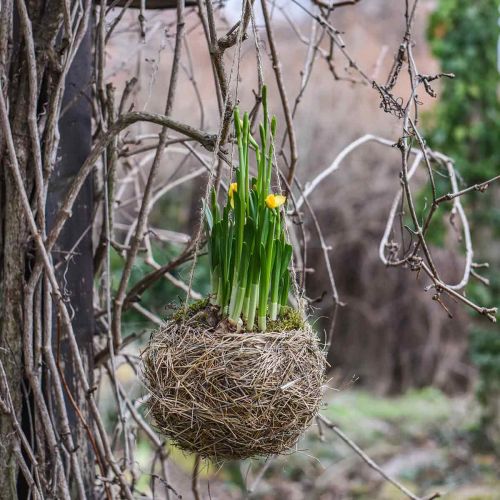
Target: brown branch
<point>204,138</point>
<point>195,486</point>
<point>145,208</point>
<point>217,48</point>
<point>151,278</point>
<point>481,187</point>
<point>44,258</point>
<point>150,4</point>
<point>488,312</point>
<point>334,428</point>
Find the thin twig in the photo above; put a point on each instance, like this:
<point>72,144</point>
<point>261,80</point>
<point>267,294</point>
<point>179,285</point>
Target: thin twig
<point>334,428</point>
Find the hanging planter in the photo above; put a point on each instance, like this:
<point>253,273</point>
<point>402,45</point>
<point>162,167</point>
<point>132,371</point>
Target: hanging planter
<point>240,374</point>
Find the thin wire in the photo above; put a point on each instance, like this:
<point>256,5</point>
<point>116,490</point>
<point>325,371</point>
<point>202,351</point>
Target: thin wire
<point>260,70</point>
<point>211,176</point>
<point>298,294</point>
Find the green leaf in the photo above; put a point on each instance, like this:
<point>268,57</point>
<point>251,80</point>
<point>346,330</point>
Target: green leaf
<point>286,257</point>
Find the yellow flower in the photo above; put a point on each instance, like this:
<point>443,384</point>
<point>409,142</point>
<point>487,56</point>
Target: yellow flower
<point>233,188</point>
<point>275,200</point>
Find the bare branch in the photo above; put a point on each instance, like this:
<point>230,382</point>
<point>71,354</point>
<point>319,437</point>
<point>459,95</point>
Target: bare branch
<point>334,428</point>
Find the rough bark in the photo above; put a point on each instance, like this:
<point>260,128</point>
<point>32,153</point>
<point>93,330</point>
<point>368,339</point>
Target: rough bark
<point>16,249</point>
<point>15,246</point>
<point>13,265</point>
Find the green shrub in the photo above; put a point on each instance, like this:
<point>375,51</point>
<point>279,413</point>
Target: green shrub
<point>465,125</point>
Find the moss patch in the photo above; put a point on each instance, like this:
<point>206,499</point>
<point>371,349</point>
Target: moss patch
<point>289,319</point>
<point>189,311</point>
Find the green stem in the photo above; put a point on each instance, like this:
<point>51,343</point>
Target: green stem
<point>252,307</point>
<point>240,297</point>
<point>246,305</point>
<point>273,311</point>
<point>234,292</point>
<point>215,285</point>
<point>262,323</point>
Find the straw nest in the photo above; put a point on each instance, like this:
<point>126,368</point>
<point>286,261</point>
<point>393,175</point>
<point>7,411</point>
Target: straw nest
<point>228,394</point>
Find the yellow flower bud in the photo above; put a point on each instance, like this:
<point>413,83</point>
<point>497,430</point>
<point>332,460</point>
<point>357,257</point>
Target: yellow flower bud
<point>233,188</point>
<point>275,200</point>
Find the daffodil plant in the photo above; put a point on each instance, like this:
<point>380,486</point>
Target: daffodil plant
<point>248,249</point>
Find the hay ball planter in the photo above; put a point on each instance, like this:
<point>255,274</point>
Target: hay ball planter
<point>241,377</point>
<point>228,394</point>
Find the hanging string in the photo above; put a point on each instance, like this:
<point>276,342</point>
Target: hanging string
<point>298,295</point>
<point>260,70</point>
<point>211,175</point>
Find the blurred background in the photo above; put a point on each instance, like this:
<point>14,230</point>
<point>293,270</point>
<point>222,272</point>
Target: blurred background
<point>418,391</point>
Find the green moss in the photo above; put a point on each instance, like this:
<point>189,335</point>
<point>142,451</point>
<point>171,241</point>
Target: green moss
<point>289,319</point>
<point>189,311</point>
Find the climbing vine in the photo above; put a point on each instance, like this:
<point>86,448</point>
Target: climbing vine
<point>466,124</point>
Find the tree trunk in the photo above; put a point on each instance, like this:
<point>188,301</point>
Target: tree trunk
<point>13,253</point>
<point>75,274</point>
<point>74,271</point>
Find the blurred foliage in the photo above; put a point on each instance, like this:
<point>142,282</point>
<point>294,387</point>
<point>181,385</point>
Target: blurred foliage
<point>463,37</point>
<point>465,125</point>
<point>163,297</point>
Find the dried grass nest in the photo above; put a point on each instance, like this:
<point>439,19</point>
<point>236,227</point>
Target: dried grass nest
<point>228,394</point>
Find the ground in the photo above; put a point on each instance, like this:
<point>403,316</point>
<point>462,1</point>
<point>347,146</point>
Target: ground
<point>424,439</point>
